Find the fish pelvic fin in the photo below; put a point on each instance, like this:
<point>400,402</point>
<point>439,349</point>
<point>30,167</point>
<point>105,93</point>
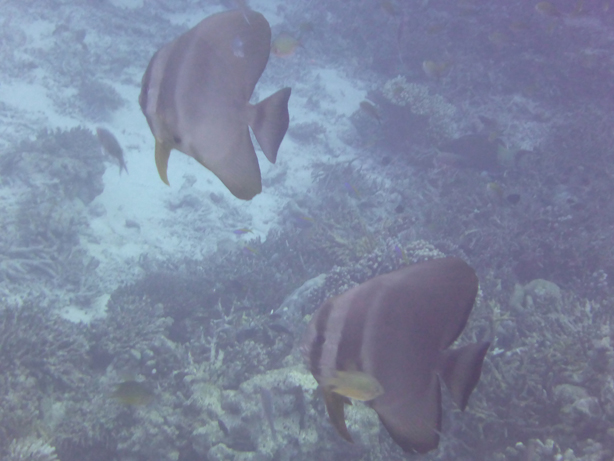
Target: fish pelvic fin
<point>269,119</point>
<point>122,166</point>
<point>462,370</point>
<point>163,152</point>
<point>335,408</point>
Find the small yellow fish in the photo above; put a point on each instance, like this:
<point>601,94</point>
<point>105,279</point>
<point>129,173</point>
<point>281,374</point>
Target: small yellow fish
<point>389,8</point>
<point>467,6</point>
<point>434,29</point>
<point>547,9</point>
<point>242,231</point>
<point>284,45</point>
<point>494,190</point>
<point>305,27</point>
<point>498,39</point>
<point>132,393</point>
<point>354,384</point>
<point>435,69</point>
<point>518,26</point>
<point>579,10</point>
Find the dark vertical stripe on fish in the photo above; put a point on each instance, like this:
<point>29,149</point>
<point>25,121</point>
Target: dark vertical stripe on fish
<point>146,82</point>
<point>317,345</point>
<point>350,343</point>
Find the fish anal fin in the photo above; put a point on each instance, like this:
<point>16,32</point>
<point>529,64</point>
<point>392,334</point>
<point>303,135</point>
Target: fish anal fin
<point>462,369</point>
<point>413,420</point>
<point>163,152</point>
<point>334,407</point>
<point>237,167</point>
<point>269,119</point>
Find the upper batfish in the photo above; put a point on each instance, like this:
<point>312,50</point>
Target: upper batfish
<point>386,342</point>
<point>195,95</point>
<point>111,146</point>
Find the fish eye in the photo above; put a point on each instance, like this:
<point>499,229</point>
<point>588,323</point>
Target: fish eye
<point>177,139</point>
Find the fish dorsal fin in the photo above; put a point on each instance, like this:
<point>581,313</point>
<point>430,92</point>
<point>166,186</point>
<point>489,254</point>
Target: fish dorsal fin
<point>334,406</point>
<point>269,119</point>
<point>462,369</point>
<point>413,421</point>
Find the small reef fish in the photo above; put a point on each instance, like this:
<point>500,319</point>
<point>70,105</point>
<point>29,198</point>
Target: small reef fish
<point>435,29</point>
<point>353,384</point>
<point>390,337</point>
<point>195,95</point>
<point>547,9</point>
<point>400,253</point>
<point>519,26</point>
<point>435,69</point>
<point>499,39</point>
<point>284,45</point>
<point>242,231</point>
<point>389,8</point>
<point>494,191</point>
<point>305,27</point>
<point>303,222</point>
<point>351,189</point>
<point>222,425</point>
<point>249,250</point>
<point>266,398</point>
<point>111,146</point>
<point>132,393</point>
<point>513,198</point>
<point>369,109</point>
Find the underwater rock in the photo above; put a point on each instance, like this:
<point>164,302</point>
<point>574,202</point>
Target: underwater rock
<point>296,414</point>
<point>537,292</point>
<point>301,301</point>
<point>471,151</point>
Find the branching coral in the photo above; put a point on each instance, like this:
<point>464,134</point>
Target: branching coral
<point>30,449</point>
<point>420,101</point>
<point>40,354</point>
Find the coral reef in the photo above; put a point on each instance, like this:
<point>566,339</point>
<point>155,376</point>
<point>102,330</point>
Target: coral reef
<point>56,175</point>
<point>208,333</point>
<point>419,100</point>
<point>43,357</point>
<point>30,449</point>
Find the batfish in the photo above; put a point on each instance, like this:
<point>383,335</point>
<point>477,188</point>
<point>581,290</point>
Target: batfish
<point>388,341</point>
<point>111,146</point>
<point>195,95</point>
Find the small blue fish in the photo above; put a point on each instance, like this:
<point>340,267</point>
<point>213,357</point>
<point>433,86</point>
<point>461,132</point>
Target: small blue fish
<point>249,250</point>
<point>400,253</point>
<point>303,222</point>
<point>351,189</point>
<point>242,231</point>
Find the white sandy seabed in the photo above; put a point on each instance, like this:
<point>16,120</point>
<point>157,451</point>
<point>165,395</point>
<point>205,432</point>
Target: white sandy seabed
<point>141,196</point>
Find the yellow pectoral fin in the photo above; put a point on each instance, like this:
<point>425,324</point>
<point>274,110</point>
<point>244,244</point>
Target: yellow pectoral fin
<point>334,407</point>
<point>163,152</point>
<point>355,385</point>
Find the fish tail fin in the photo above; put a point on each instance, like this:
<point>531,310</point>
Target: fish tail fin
<point>269,120</point>
<point>462,369</point>
<point>122,167</point>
